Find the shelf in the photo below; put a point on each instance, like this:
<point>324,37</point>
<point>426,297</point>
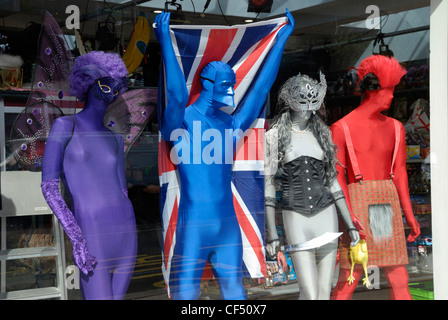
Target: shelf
<point>23,253</point>
<point>31,294</point>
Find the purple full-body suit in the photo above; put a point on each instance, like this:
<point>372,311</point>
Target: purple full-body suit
<point>100,223</point>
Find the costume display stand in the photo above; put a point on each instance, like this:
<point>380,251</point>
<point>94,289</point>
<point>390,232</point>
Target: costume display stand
<point>21,196</point>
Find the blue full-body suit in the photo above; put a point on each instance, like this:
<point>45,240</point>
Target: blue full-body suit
<point>207,227</point>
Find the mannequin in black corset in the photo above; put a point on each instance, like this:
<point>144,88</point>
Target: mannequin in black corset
<point>304,144</point>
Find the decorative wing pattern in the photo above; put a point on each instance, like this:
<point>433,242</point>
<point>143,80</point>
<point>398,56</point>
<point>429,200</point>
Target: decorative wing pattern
<point>130,113</point>
<point>48,98</point>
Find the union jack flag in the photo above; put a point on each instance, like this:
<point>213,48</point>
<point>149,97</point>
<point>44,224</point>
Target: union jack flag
<point>244,48</point>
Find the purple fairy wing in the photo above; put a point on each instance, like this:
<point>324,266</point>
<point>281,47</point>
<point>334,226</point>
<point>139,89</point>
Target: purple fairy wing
<point>130,113</point>
<point>29,134</point>
<point>48,97</point>
<point>52,69</point>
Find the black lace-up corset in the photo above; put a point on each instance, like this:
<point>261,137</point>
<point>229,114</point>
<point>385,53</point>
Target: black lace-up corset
<point>303,186</point>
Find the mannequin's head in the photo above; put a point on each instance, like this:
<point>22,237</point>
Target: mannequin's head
<point>303,94</point>
<point>218,79</point>
<point>96,65</point>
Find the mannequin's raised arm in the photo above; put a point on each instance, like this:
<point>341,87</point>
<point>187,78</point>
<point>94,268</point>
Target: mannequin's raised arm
<point>265,79</point>
<point>176,90</point>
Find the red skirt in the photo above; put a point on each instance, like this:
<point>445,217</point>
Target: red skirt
<point>391,252</point>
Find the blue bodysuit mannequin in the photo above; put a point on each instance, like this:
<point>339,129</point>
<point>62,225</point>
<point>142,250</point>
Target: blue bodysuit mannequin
<point>207,227</point>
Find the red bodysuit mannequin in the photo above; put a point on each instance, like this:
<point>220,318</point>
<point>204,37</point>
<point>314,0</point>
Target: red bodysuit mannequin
<point>373,138</point>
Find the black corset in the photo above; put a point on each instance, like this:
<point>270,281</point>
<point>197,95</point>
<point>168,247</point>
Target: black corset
<point>303,186</point>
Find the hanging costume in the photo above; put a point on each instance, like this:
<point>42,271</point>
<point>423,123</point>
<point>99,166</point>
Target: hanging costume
<point>204,223</point>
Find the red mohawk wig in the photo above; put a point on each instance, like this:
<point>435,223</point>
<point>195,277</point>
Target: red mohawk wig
<point>387,69</point>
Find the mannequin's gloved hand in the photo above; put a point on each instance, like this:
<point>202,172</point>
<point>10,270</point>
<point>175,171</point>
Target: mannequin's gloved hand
<point>83,259</point>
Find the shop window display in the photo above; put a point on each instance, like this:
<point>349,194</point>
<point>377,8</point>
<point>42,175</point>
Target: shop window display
<point>410,106</point>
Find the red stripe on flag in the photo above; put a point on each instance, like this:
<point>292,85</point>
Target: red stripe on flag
<point>250,234</point>
<point>165,164</point>
<point>245,67</point>
<point>170,233</point>
<point>251,147</point>
<point>218,43</point>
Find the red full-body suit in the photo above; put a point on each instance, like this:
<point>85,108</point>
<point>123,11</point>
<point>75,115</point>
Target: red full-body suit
<point>372,134</point>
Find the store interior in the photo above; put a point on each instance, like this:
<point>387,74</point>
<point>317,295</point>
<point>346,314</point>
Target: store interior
<point>332,36</point>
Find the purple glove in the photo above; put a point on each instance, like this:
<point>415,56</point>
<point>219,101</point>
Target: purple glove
<point>83,259</point>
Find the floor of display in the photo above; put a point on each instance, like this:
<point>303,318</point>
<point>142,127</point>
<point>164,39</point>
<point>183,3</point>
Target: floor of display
<point>420,286</point>
<point>147,280</point>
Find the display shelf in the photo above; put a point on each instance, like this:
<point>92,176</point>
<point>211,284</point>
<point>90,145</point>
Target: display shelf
<point>25,253</point>
<point>32,294</point>
<point>22,197</point>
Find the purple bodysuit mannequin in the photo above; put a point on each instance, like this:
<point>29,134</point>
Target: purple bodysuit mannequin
<point>89,159</point>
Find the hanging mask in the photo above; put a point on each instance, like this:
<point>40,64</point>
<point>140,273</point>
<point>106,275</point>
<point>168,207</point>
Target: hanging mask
<point>303,94</point>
